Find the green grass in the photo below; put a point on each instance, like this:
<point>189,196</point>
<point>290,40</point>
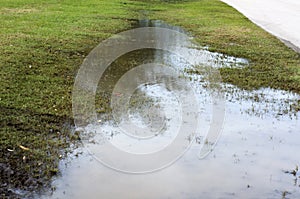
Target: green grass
<point>43,43</point>
<point>217,26</point>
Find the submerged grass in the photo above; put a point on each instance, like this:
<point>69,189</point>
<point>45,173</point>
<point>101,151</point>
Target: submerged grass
<point>220,28</point>
<point>43,43</point>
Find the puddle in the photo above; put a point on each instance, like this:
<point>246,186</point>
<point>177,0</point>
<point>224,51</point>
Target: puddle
<point>256,155</point>
<point>198,52</point>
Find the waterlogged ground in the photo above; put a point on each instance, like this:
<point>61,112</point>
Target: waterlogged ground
<point>256,155</point>
<point>43,44</point>
<point>250,161</point>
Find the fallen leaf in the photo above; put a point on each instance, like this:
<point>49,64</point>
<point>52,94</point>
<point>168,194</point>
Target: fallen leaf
<point>24,148</point>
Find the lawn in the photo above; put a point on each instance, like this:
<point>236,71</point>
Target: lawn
<point>43,43</point>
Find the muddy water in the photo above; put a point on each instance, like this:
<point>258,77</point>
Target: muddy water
<point>256,155</point>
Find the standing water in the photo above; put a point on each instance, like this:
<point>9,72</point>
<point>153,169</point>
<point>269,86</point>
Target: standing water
<point>256,155</point>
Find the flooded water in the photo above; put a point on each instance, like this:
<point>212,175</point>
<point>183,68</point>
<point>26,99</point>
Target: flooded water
<point>256,155</point>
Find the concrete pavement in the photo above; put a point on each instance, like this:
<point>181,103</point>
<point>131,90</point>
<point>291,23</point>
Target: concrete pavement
<point>279,17</point>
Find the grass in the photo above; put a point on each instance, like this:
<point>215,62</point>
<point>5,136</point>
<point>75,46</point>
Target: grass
<point>43,43</point>
<point>220,28</point>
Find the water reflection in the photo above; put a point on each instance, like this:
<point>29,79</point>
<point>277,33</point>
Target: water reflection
<point>260,140</point>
